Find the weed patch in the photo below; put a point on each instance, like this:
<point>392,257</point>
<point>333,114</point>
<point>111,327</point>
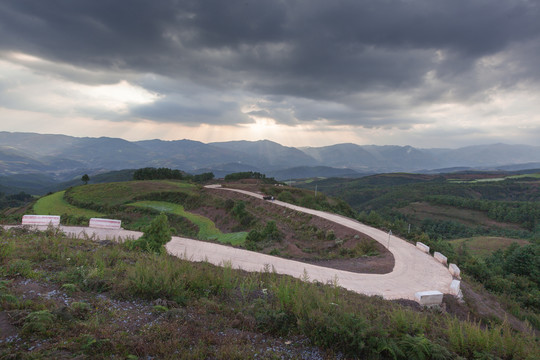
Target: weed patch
<point>218,303</point>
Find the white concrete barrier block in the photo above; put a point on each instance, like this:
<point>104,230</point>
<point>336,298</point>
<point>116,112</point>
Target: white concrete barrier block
<point>440,258</point>
<point>423,247</point>
<point>105,224</point>
<point>455,287</point>
<point>454,270</point>
<point>429,298</point>
<point>45,220</point>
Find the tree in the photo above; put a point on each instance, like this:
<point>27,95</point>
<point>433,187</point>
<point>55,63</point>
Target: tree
<point>85,178</point>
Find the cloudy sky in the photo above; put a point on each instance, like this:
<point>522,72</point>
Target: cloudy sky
<point>427,73</point>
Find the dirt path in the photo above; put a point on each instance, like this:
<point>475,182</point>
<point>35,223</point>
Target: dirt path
<point>413,271</point>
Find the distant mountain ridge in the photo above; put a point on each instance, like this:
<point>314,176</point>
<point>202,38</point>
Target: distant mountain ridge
<point>65,157</point>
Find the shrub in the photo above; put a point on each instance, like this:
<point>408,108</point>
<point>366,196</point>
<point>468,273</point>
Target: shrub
<point>274,321</point>
<point>38,322</point>
<point>271,232</point>
<point>6,249</point>
<point>341,331</point>
<point>21,268</point>
<point>157,278</point>
<point>155,235</point>
<point>415,347</point>
<point>80,310</point>
<point>69,288</point>
<point>286,196</point>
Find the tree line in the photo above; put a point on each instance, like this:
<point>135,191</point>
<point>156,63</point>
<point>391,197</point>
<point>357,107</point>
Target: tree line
<point>526,214</point>
<point>14,200</point>
<point>150,173</point>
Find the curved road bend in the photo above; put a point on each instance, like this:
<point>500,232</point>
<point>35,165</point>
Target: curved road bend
<point>413,271</point>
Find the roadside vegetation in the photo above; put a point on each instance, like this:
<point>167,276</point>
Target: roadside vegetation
<point>62,297</point>
<point>500,220</point>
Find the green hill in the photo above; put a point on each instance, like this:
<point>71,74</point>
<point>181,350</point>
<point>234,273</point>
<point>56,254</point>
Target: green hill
<point>220,216</point>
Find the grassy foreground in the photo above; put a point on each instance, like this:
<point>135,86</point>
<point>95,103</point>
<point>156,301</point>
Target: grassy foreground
<point>100,300</point>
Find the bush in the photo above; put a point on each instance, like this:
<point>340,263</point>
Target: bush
<point>274,321</point>
<point>286,196</point>
<point>6,248</point>
<point>341,331</point>
<point>156,235</point>
<point>38,322</point>
<point>239,211</point>
<point>270,234</point>
<point>20,267</point>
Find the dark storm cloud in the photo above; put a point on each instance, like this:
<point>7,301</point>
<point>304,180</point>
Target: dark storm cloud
<point>176,108</point>
<point>312,49</point>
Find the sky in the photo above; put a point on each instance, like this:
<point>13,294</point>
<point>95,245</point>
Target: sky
<point>426,73</point>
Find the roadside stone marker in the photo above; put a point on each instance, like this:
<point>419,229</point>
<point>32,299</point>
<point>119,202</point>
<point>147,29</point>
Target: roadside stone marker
<point>429,298</point>
<point>43,220</point>
<point>440,258</point>
<point>455,288</point>
<point>423,247</point>
<point>105,223</point>
<point>454,270</point>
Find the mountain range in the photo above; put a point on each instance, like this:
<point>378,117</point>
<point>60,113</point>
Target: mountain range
<point>63,157</point>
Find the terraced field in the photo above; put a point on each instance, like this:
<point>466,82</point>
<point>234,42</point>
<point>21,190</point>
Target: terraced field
<point>485,245</point>
<point>55,204</point>
<point>119,193</point>
<point>207,228</point>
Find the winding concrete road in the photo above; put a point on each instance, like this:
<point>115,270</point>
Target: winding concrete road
<point>413,271</point>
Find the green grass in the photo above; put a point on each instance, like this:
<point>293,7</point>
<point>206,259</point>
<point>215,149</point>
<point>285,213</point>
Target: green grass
<point>55,204</point>
<point>113,194</point>
<point>459,181</point>
<point>536,176</point>
<point>485,245</point>
<point>207,228</point>
<point>199,302</point>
